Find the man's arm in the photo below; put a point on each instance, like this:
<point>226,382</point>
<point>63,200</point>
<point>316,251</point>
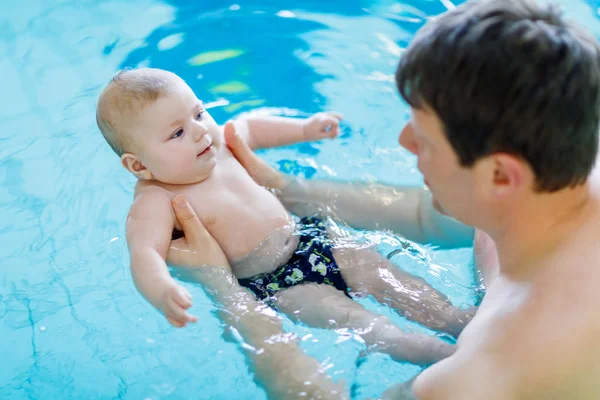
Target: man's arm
<point>465,376</point>
<point>407,211</point>
<point>402,391</point>
<point>280,365</point>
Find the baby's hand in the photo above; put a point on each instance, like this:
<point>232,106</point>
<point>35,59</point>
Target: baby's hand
<point>176,299</point>
<point>322,125</point>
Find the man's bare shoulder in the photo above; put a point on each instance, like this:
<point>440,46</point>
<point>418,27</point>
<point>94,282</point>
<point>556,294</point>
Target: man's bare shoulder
<point>517,356</point>
<point>555,356</point>
<point>549,341</point>
<point>469,374</point>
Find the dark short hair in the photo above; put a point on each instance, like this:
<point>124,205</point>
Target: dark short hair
<point>510,76</point>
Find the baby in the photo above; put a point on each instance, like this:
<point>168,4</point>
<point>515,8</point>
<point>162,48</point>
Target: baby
<point>165,137</point>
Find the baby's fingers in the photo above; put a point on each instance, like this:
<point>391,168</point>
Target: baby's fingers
<point>178,314</point>
<point>181,297</point>
<point>175,323</point>
<point>335,114</point>
<point>331,127</point>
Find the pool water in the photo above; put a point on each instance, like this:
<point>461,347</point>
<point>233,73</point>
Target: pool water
<point>71,322</point>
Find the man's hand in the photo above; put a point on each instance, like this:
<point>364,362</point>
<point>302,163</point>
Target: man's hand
<point>259,170</point>
<point>197,248</point>
<point>174,303</point>
<point>322,125</point>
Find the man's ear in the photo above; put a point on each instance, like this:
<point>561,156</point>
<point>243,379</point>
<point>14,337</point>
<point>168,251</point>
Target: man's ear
<point>510,175</point>
<point>500,176</point>
<point>133,164</point>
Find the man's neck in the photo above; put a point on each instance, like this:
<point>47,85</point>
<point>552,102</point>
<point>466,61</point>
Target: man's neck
<point>538,226</point>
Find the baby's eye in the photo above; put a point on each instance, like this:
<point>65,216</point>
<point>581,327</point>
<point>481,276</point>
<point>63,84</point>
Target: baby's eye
<point>177,134</point>
<point>199,115</point>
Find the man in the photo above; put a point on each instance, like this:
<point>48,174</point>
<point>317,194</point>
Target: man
<point>505,99</point>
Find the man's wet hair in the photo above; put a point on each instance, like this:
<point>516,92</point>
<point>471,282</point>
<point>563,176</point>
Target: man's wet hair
<point>510,76</point>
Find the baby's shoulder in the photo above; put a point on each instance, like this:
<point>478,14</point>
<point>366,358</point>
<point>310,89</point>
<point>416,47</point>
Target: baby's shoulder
<point>148,195</point>
<point>150,189</point>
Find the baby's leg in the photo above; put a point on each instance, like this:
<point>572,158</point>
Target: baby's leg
<point>366,271</point>
<point>324,306</point>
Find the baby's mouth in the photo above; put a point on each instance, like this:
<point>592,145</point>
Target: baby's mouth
<point>206,150</point>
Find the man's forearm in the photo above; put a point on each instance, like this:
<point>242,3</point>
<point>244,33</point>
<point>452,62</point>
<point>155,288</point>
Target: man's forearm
<point>252,319</point>
<point>402,391</point>
<point>407,211</point>
<point>280,365</point>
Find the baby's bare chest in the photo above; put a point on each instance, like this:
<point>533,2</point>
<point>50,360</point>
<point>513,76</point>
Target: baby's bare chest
<point>237,212</point>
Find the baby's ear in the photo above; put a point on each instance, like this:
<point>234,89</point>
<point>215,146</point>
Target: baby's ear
<point>133,164</point>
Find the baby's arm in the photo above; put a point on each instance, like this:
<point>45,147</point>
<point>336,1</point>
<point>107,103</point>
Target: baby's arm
<point>149,227</point>
<point>270,131</point>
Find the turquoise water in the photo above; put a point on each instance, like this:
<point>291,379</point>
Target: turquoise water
<point>72,325</point>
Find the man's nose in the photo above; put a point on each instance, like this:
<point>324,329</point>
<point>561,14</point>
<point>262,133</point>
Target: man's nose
<point>200,130</point>
<point>407,139</point>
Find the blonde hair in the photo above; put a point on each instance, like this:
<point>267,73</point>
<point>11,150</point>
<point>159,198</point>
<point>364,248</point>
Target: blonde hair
<point>127,93</point>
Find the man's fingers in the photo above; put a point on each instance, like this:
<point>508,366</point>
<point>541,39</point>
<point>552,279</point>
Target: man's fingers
<point>259,170</point>
<point>239,147</point>
<point>188,219</point>
<point>229,130</point>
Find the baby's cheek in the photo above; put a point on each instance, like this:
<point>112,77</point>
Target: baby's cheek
<point>174,166</point>
<point>182,161</point>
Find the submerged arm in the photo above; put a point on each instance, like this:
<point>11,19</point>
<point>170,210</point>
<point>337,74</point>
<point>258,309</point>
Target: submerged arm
<point>280,365</point>
<point>407,211</point>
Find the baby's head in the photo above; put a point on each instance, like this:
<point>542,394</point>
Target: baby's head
<point>152,119</point>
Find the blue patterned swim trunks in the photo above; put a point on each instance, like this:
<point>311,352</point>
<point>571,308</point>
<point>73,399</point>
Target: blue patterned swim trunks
<point>311,262</point>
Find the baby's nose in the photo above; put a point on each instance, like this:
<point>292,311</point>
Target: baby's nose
<point>200,130</point>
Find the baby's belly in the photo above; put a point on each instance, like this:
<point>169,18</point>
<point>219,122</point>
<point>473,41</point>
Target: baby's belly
<point>274,250</point>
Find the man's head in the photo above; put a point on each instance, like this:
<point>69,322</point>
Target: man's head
<point>514,91</point>
<point>152,119</point>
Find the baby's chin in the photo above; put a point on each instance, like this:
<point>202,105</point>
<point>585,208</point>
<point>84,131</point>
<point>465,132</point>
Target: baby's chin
<point>182,179</point>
